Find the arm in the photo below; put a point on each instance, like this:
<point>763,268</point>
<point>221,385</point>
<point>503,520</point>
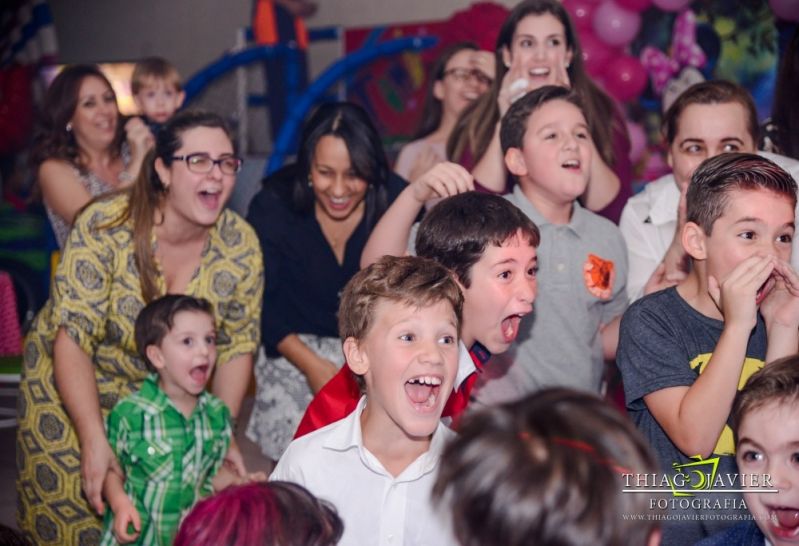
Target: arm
<point>317,370</point>
<point>62,189</point>
<point>603,184</point>
<point>694,416</point>
<point>140,141</point>
<point>77,386</point>
<point>390,235</point>
<point>610,338</point>
<point>125,512</point>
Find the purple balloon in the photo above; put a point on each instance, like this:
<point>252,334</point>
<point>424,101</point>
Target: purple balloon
<point>787,10</point>
<point>581,12</point>
<point>635,5</point>
<point>674,5</point>
<point>637,140</point>
<point>615,25</point>
<point>625,78</point>
<point>596,53</point>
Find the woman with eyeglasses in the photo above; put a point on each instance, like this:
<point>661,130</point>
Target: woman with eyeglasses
<point>168,233</point>
<point>313,219</point>
<point>461,74</point>
<point>82,149</point>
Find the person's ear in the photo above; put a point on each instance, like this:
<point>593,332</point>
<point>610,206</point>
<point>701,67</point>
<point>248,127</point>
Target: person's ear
<point>139,105</point>
<point>155,356</point>
<point>163,172</point>
<point>181,98</point>
<point>506,60</point>
<point>569,56</point>
<point>514,160</point>
<point>654,537</point>
<point>438,89</point>
<point>694,241</point>
<point>356,357</point>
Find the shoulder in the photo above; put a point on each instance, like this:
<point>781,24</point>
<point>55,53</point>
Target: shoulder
<point>744,534</point>
<point>103,210</point>
<point>230,220</point>
<point>54,166</point>
<point>650,310</point>
<point>305,454</point>
<point>599,229</point>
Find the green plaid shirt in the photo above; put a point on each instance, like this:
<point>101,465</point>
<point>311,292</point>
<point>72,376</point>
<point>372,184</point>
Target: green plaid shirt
<point>168,460</point>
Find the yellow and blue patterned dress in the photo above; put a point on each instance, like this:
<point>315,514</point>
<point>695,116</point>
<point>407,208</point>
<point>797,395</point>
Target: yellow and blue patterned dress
<point>96,297</point>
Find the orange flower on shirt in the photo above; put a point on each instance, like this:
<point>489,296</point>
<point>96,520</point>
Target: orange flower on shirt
<point>599,275</point>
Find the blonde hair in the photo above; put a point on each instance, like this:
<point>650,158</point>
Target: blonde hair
<point>154,68</point>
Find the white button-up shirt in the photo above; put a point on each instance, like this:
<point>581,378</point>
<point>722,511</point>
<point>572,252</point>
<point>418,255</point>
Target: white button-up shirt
<point>377,508</point>
<point>649,221</point>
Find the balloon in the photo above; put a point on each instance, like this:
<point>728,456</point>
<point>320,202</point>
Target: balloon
<point>625,77</point>
<point>787,10</point>
<point>675,5</point>
<point>615,25</point>
<point>581,11</point>
<point>634,5</point>
<point>637,140</point>
<point>596,53</point>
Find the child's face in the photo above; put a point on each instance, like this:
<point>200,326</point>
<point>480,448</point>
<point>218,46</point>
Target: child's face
<point>158,100</point>
<point>754,222</point>
<point>707,130</point>
<point>554,163</point>
<point>502,290</point>
<point>769,444</point>
<point>409,359</point>
<point>186,356</point>
<point>539,47</point>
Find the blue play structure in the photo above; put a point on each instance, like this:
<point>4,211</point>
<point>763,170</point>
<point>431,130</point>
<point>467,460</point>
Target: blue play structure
<point>300,101</point>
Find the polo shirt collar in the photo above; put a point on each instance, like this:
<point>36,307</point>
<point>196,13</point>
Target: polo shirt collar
<point>348,435</point>
<point>665,205</point>
<point>576,223</point>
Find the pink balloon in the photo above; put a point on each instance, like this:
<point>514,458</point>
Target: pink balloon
<point>581,12</point>
<point>635,5</point>
<point>596,53</point>
<point>637,140</point>
<point>615,25</point>
<point>787,10</point>
<point>625,77</point>
<point>674,5</point>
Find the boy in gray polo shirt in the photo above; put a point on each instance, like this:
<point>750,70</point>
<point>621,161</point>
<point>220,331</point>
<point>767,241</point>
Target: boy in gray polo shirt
<point>583,261</point>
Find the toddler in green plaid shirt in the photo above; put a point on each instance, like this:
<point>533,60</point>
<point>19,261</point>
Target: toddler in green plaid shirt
<point>171,437</point>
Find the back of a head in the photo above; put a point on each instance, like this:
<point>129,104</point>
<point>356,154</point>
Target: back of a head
<point>261,514</point>
<point>715,179</point>
<point>457,231</point>
<point>546,470</point>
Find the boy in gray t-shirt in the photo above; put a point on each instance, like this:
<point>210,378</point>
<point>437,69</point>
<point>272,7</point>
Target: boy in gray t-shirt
<point>684,352</point>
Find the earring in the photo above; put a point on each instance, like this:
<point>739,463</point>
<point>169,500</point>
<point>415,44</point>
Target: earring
<point>69,127</point>
<point>310,182</point>
<point>568,65</point>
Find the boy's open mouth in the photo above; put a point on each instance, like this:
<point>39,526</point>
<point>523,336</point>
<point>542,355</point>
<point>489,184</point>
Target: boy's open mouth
<point>423,391</point>
<point>510,327</point>
<point>764,290</point>
<point>784,521</point>
<point>571,164</point>
<point>199,373</point>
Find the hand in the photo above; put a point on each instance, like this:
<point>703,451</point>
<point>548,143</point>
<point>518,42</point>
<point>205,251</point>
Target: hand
<point>444,180</point>
<point>424,162</point>
<point>736,294</point>
<point>96,459</point>
<point>485,62</point>
<point>139,137</point>
<point>321,374</point>
<point>781,304</point>
<point>234,461</point>
<point>125,515</point>
<point>660,281</point>
<point>516,83</point>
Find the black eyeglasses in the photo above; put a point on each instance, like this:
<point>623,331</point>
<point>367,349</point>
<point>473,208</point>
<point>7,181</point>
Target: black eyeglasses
<point>201,163</point>
<point>466,74</point>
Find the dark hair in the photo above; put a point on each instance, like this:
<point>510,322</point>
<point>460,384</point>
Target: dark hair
<point>261,514</point>
<point>156,68</point>
<point>475,127</point>
<point>157,318</point>
<point>431,110</point>
<point>350,123</point>
<point>711,92</point>
<point>514,123</point>
<point>417,281</point>
<point>784,111</point>
<point>718,176</point>
<point>456,232</point>
<point>148,192</point>
<point>777,382</point>
<point>53,140</point>
<point>547,469</point>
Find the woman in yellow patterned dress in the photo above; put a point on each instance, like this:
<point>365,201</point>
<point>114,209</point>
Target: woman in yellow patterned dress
<point>168,234</point>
